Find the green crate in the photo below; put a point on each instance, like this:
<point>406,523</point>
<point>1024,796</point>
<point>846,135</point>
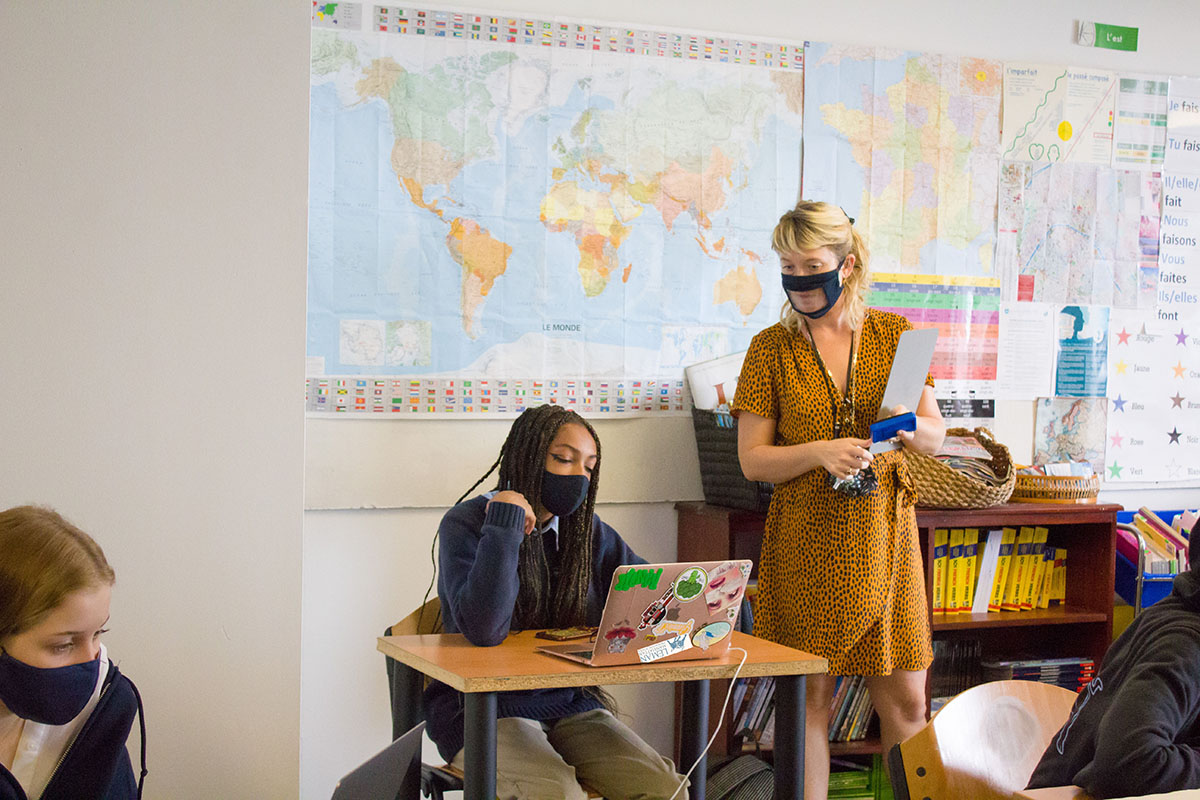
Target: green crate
<point>869,783</point>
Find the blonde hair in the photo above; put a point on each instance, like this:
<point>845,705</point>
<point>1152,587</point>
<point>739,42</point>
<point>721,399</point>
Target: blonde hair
<point>43,558</point>
<point>811,225</point>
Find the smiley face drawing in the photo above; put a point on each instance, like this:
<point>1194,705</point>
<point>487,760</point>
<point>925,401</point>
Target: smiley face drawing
<point>710,634</point>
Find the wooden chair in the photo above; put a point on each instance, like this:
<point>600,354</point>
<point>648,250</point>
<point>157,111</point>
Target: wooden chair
<point>983,744</point>
<point>407,687</point>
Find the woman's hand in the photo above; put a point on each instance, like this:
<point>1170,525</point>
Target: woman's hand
<point>845,458</point>
<point>517,499</point>
<point>904,437</point>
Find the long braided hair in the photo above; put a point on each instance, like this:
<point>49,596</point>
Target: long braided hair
<point>522,462</point>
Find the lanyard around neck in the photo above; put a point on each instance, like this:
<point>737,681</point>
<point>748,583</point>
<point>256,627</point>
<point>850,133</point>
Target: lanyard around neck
<point>843,406</point>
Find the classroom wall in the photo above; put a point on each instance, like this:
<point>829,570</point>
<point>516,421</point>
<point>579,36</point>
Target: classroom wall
<point>377,488</point>
<point>152,295</point>
<point>151,351</point>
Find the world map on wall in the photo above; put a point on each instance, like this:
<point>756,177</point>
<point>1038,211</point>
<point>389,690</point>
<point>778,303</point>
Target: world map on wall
<point>483,209</point>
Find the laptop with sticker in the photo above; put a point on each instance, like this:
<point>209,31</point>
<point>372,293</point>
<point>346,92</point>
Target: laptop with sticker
<point>664,612</point>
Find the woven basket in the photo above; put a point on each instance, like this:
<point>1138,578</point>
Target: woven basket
<point>1055,489</point>
<point>720,471</point>
<point>939,486</point>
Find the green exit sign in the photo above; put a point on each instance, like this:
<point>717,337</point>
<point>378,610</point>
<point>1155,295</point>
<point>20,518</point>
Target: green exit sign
<point>1110,37</point>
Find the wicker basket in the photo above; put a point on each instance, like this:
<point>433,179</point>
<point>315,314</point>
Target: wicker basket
<point>720,471</point>
<point>940,486</point>
<point>1055,489</point>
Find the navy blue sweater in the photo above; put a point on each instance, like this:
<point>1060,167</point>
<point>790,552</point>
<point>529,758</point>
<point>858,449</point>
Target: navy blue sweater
<point>1134,730</point>
<point>477,584</point>
<point>96,765</point>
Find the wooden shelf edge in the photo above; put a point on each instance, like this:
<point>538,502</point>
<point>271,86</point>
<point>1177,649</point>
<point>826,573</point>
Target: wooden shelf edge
<point>868,746</point>
<point>1063,615</point>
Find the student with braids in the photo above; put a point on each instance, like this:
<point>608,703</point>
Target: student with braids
<point>533,554</point>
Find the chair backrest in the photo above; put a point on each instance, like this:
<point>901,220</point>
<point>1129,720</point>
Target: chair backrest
<point>405,684</point>
<point>983,744</point>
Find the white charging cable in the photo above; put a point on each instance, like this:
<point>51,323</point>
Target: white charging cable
<point>720,719</point>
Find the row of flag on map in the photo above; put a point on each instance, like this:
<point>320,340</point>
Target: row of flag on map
<point>574,36</point>
<point>374,395</point>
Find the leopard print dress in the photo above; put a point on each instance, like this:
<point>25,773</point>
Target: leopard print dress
<point>840,576</point>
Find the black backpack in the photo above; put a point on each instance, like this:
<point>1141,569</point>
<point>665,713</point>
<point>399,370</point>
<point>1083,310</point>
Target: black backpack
<point>743,778</point>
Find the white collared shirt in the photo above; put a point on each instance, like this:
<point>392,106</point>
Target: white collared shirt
<point>42,746</point>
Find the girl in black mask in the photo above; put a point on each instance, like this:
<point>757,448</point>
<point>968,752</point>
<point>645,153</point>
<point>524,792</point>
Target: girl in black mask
<point>65,709</point>
<point>533,554</point>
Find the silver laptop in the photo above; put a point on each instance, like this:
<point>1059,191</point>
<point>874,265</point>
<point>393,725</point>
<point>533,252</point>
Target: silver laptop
<point>664,612</point>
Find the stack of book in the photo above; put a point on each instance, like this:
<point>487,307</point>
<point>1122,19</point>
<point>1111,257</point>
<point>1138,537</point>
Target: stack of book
<point>956,668</point>
<point>1166,545</point>
<point>851,711</point>
<point>753,706</point>
<point>1069,672</point>
<point>999,570</point>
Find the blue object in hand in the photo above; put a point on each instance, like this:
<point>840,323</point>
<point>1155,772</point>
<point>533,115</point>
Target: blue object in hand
<point>887,428</point>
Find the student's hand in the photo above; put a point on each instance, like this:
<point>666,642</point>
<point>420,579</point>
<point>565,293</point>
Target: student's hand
<point>517,499</point>
<point>844,458</point>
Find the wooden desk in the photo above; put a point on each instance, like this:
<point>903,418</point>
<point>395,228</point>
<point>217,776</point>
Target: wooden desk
<point>1075,793</point>
<point>480,672</point>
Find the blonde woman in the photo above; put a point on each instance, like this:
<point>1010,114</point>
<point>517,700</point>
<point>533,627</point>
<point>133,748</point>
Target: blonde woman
<point>840,575</point>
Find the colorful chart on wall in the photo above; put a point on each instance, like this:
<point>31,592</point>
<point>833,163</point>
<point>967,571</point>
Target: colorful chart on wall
<point>1054,113</point>
<point>1153,400</point>
<point>509,210</point>
<point>907,144</point>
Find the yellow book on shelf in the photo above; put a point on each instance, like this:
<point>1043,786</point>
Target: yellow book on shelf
<point>953,581</point>
<point>966,575</point>
<point>1000,582</point>
<point>1016,572</point>
<point>1035,569</point>
<point>941,549</point>
<point>1157,543</point>
<point>1047,571</point>
<point>1058,586</point>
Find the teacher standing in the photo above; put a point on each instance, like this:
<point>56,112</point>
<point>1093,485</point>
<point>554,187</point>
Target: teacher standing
<point>841,575</point>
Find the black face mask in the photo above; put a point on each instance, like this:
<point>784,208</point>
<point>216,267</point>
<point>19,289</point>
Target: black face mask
<point>562,494</point>
<point>51,696</point>
<point>829,282</point>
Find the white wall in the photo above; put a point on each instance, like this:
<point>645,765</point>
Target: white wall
<point>365,568</point>
<point>152,261</point>
<point>151,342</point>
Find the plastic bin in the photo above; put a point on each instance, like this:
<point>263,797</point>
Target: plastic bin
<point>1154,586</point>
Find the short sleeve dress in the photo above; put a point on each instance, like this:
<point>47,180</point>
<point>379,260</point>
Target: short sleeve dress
<point>840,576</point>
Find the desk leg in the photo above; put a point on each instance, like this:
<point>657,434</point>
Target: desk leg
<point>693,734</point>
<point>479,746</point>
<point>789,736</point>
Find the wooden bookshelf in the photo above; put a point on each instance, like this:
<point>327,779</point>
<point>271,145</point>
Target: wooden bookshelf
<point>1081,626</point>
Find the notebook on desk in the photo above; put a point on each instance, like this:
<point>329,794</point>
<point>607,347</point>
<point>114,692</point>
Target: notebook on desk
<point>664,612</point>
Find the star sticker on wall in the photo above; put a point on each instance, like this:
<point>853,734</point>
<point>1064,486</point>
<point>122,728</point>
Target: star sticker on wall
<point>1118,404</point>
<point>1177,401</point>
<point>1121,367</point>
<point>1179,369</point>
<point>1116,439</point>
<point>1123,337</point>
<point>1181,337</point>
<point>1174,434</point>
<point>1114,471</point>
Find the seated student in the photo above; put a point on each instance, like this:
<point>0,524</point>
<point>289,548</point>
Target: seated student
<point>531,555</point>
<point>65,709</point>
<point>1134,730</point>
